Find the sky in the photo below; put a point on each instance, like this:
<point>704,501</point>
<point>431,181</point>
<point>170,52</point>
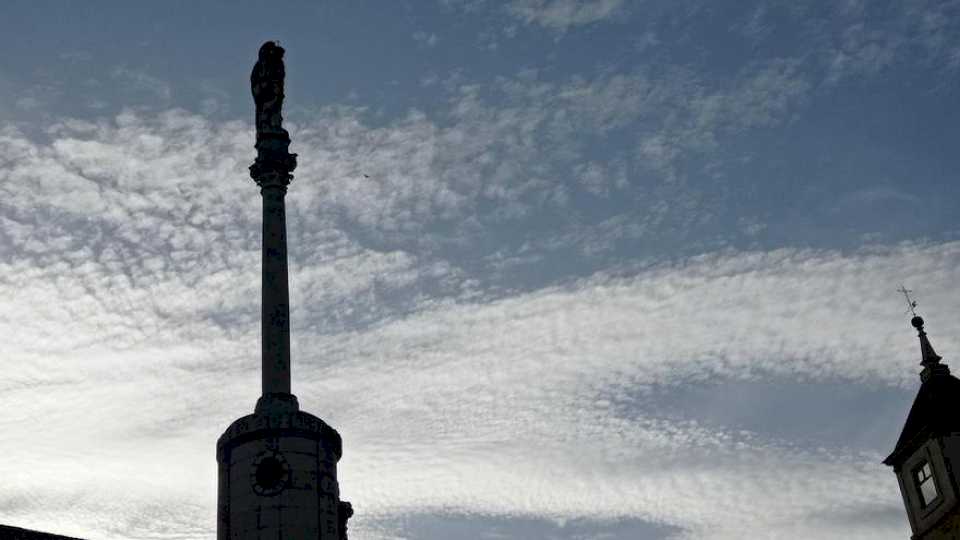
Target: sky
<point>559,269</point>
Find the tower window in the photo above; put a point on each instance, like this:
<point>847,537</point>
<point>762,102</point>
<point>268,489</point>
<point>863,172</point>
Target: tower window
<point>925,484</point>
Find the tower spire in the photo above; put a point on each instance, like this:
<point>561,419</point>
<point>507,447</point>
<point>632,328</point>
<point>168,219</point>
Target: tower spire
<point>929,358</point>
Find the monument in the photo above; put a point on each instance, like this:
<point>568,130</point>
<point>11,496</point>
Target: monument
<point>277,467</point>
<point>926,457</point>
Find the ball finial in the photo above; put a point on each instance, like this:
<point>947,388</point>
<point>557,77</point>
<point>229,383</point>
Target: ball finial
<point>917,322</point>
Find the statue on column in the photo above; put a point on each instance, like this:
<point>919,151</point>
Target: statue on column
<point>266,82</point>
<point>274,162</point>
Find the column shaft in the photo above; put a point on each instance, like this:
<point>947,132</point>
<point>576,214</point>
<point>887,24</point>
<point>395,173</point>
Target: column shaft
<point>275,317</point>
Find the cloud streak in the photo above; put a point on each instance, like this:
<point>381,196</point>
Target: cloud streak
<point>563,14</point>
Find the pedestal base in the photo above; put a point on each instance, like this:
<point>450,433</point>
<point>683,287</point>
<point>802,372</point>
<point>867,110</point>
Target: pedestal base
<point>278,476</point>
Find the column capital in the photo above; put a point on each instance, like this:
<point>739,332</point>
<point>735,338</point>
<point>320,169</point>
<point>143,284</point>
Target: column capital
<point>274,162</point>
<point>270,178</point>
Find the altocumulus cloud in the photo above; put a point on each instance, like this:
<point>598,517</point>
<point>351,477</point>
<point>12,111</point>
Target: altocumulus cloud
<point>562,14</point>
<point>130,265</point>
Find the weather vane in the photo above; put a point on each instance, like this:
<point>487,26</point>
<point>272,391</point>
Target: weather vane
<point>911,303</point>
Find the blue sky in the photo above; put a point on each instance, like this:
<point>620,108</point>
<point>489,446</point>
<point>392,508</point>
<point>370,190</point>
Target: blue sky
<point>565,269</point>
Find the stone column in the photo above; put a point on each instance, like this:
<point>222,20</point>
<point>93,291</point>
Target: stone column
<point>275,318</point>
<point>271,171</point>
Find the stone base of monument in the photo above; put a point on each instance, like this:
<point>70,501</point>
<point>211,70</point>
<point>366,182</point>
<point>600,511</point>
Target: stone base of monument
<point>278,476</point>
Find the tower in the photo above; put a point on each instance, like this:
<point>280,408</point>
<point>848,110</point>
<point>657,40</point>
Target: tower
<point>277,467</point>
<point>926,458</point>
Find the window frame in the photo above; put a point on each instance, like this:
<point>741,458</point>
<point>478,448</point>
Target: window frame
<point>917,483</point>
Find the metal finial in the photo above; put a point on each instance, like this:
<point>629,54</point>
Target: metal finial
<point>911,303</point>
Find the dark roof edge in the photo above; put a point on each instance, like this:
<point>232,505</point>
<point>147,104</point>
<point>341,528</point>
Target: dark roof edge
<point>8,532</point>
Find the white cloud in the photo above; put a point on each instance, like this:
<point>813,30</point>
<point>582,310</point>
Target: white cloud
<point>425,38</point>
<point>855,40</point>
<point>505,407</point>
<point>563,14</point>
<point>139,80</point>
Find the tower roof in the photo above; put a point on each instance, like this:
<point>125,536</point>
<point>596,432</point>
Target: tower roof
<point>934,409</point>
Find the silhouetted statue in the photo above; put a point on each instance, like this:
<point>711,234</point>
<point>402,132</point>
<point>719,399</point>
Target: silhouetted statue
<point>266,82</point>
<point>274,161</point>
